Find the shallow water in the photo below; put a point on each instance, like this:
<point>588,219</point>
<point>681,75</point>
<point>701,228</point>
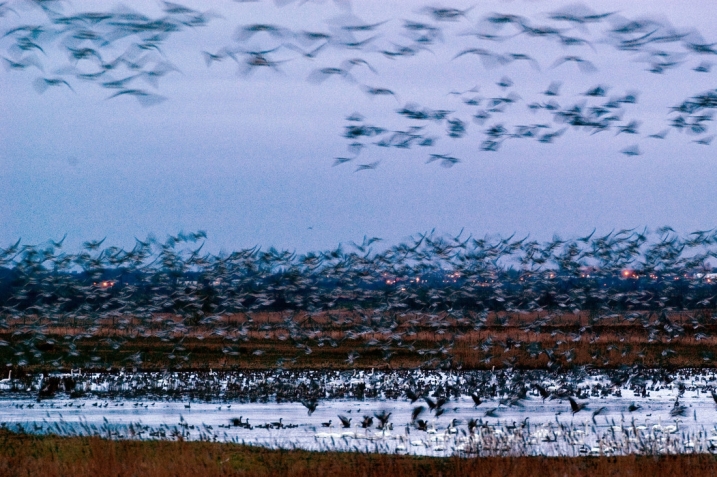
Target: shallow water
<point>528,426</point>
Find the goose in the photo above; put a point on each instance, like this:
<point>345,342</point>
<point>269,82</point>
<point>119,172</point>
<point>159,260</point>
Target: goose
<point>367,422</point>
<point>575,406</point>
<point>310,405</point>
<point>597,412</point>
<point>345,421</point>
<point>383,418</point>
<point>476,399</point>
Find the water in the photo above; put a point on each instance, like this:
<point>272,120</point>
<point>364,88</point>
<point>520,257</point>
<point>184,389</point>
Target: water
<point>677,413</point>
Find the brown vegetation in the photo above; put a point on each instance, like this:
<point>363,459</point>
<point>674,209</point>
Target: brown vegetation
<point>265,340</point>
<point>96,457</point>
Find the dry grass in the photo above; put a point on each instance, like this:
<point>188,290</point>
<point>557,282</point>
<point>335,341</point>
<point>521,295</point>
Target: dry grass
<point>262,343</point>
<point>25,455</point>
<point>209,353</point>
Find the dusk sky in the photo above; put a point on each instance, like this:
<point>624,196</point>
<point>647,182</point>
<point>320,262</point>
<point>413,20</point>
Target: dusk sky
<point>247,153</point>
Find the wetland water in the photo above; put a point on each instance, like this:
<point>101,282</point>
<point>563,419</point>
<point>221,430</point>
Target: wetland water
<point>628,411</point>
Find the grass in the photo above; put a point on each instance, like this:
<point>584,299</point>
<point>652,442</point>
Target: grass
<point>23,455</point>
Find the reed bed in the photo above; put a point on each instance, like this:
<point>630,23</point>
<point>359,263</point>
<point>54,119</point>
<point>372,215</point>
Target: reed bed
<point>22,454</point>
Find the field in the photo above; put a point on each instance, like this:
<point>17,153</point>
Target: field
<point>342,340</point>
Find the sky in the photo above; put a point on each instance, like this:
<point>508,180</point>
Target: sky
<point>247,153</point>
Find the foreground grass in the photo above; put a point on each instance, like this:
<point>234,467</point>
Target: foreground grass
<point>94,457</point>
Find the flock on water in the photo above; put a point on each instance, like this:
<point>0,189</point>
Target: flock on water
<point>502,412</point>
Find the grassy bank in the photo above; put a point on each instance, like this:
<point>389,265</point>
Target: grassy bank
<point>94,457</point>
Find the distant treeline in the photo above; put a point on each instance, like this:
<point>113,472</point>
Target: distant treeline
<point>614,273</point>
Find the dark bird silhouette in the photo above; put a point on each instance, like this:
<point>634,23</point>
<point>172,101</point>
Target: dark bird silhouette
<point>598,411</point>
<point>633,150</point>
<point>553,89</point>
<point>703,67</point>
<point>310,405</point>
<point>144,98</point>
<point>575,406</point>
<point>435,405</point>
<point>42,84</point>
<point>678,410</point>
<point>367,422</point>
<point>660,135</point>
<point>345,421</point>
<point>446,14</point>
<point>320,75</point>
<point>383,418</point>
<point>583,65</point>
<point>476,400</point>
<point>705,141</point>
<point>544,393</point>
<point>380,92</point>
<point>445,160</point>
<point>369,166</point>
<point>342,160</point>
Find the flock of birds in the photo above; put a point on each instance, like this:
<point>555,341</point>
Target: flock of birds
<point>434,390</point>
<point>441,285</point>
<point>452,285</point>
<point>583,411</point>
<point>120,49</point>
